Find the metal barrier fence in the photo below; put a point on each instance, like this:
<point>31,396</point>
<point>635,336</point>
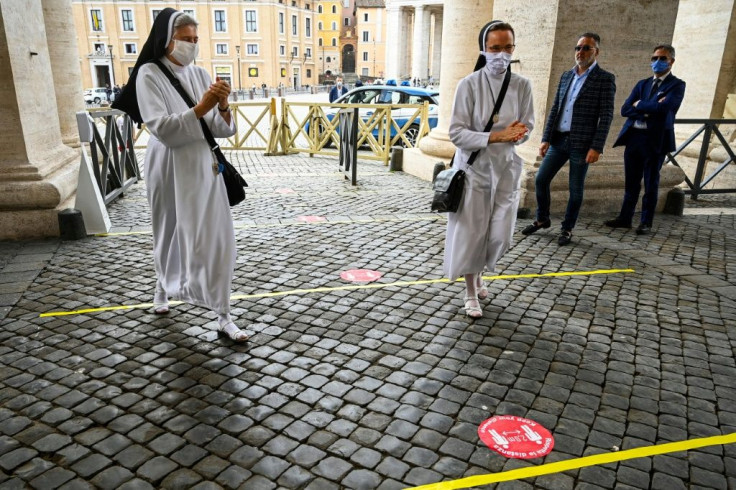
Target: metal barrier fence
<point>255,121</point>
<point>708,128</point>
<point>113,156</point>
<point>311,127</point>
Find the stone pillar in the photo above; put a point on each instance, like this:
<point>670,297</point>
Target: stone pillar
<point>420,44</point>
<point>38,173</point>
<point>707,65</point>
<point>436,46</point>
<point>403,45</point>
<point>459,53</point>
<point>393,22</point>
<point>64,56</point>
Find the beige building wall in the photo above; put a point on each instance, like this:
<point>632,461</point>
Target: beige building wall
<point>371,50</point>
<point>329,34</point>
<point>245,42</point>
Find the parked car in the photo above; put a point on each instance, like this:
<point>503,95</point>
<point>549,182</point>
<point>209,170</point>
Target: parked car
<point>95,95</point>
<point>386,94</point>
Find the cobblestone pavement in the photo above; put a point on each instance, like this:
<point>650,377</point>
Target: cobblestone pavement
<point>368,388</point>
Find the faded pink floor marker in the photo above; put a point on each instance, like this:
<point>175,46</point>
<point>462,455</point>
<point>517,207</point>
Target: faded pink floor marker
<point>360,275</point>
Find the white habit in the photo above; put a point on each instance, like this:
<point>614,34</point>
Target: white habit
<point>193,235</point>
<point>481,230</point>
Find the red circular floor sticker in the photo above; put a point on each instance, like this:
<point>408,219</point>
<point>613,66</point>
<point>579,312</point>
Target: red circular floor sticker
<point>311,219</point>
<point>516,437</point>
<point>360,275</point>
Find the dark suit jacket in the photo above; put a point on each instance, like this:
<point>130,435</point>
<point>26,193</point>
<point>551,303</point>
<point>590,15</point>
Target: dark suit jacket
<point>592,112</point>
<point>334,95</point>
<point>660,117</point>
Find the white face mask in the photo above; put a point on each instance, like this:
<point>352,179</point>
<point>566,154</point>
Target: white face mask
<point>497,62</point>
<point>184,52</point>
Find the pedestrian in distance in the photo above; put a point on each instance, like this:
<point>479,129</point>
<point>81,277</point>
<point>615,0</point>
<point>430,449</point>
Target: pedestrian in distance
<point>193,234</point>
<point>481,230</point>
<point>576,130</point>
<point>338,90</point>
<point>648,134</point>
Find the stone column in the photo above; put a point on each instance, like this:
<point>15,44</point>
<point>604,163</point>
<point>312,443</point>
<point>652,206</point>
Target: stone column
<point>64,56</point>
<point>393,21</point>
<point>420,44</point>
<point>705,45</point>
<point>459,53</point>
<point>436,45</point>
<point>403,45</point>
<point>38,173</point>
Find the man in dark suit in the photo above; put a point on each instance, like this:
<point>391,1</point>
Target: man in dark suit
<point>338,90</point>
<point>648,134</point>
<point>576,130</point>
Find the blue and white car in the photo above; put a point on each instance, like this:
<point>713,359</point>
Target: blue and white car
<point>391,94</point>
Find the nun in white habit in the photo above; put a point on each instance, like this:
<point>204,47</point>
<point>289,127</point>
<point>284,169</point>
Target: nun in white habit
<point>193,235</point>
<point>481,230</point>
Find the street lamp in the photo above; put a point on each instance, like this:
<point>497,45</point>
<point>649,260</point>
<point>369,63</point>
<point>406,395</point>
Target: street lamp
<point>112,67</point>
<point>237,50</point>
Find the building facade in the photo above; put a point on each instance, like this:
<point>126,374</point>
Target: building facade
<point>247,43</point>
<point>329,18</point>
<point>370,18</point>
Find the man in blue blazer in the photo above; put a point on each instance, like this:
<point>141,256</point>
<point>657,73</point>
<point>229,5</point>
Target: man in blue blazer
<point>576,130</point>
<point>649,133</point>
<point>338,90</point>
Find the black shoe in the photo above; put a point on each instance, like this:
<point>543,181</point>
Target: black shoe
<point>535,227</point>
<point>643,229</point>
<point>564,238</point>
<point>618,223</point>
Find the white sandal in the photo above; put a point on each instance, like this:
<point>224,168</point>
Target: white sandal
<point>482,290</point>
<point>472,311</point>
<point>161,309</point>
<point>233,332</point>
<point>160,301</point>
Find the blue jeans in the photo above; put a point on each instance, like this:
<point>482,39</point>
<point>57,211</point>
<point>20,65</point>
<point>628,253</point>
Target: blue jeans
<point>558,154</point>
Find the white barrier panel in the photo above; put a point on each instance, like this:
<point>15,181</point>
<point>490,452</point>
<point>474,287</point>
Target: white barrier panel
<point>89,199</point>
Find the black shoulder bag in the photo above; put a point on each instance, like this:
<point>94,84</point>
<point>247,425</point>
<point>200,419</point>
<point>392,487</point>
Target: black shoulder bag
<point>234,182</point>
<point>449,184</point>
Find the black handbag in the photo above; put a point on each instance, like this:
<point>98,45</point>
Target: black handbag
<point>449,184</point>
<point>234,182</point>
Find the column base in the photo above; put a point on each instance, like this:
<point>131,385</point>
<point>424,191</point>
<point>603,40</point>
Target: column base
<point>28,208</point>
<point>604,188</point>
<point>420,164</point>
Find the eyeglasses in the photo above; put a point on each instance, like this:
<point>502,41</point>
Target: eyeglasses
<point>509,48</point>
<point>660,58</point>
<point>584,47</point>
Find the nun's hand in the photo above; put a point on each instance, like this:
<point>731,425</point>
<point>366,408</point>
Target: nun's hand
<point>209,100</point>
<point>511,134</point>
<point>222,88</point>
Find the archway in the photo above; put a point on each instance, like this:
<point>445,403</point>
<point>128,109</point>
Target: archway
<point>348,59</point>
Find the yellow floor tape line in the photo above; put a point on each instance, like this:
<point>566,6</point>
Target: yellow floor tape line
<point>377,285</point>
<point>573,464</point>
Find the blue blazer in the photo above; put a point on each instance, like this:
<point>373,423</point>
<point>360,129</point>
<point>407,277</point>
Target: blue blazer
<point>592,112</point>
<point>334,95</point>
<point>660,117</point>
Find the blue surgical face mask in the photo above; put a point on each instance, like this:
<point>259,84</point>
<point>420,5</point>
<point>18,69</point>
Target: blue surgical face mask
<point>660,66</point>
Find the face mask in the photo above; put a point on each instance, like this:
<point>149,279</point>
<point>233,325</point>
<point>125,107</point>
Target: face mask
<point>497,62</point>
<point>660,66</point>
<point>339,84</point>
<point>184,52</point>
